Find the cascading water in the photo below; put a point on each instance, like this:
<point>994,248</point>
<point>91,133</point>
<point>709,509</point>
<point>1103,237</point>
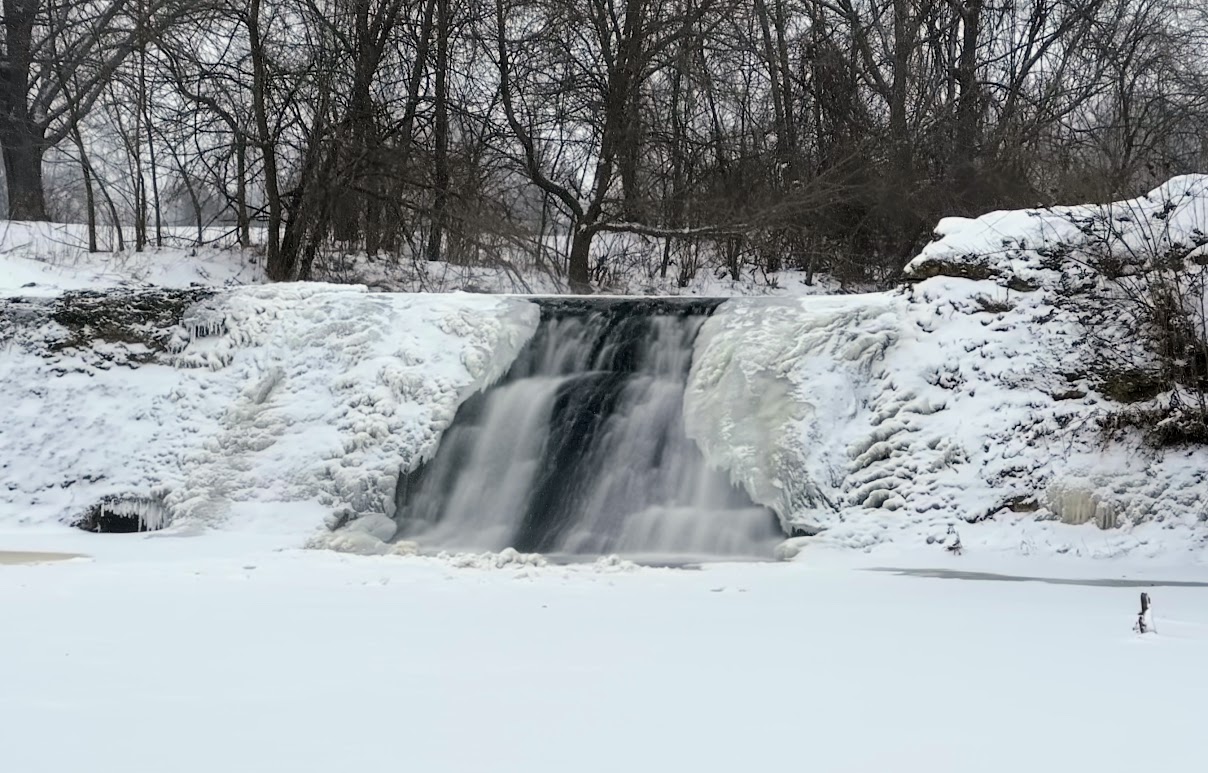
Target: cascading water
<point>580,449</point>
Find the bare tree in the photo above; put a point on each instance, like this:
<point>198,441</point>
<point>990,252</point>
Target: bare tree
<point>47,45</point>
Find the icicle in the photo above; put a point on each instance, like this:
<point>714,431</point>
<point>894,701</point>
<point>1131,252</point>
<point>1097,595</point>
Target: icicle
<point>126,514</point>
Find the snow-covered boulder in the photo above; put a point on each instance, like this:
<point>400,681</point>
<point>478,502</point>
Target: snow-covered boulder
<point>375,524</point>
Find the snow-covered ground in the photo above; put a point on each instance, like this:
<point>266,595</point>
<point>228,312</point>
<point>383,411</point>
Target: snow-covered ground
<point>221,653</point>
<point>39,259</point>
<point>47,258</point>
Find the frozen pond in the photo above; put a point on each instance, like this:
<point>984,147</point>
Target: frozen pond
<point>10,557</point>
<point>1106,582</point>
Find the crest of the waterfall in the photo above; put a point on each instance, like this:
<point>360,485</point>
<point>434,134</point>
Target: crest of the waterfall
<point>581,448</point>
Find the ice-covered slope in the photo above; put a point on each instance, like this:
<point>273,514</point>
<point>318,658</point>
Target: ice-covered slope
<point>174,403</point>
<point>971,395</point>
<point>775,388</point>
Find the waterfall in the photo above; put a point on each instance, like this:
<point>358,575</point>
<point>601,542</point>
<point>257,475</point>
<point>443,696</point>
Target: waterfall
<point>580,448</point>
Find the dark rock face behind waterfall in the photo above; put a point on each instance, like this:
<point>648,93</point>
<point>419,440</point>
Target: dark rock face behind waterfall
<point>581,449</point>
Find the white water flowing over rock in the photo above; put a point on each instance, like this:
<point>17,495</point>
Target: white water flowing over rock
<point>581,450</point>
<point>970,397</point>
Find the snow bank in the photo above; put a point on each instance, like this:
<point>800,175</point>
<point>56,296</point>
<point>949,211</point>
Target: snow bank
<point>282,393</point>
<point>43,259</point>
<point>969,396</point>
<point>1019,247</point>
<point>40,259</point>
<point>1034,262</point>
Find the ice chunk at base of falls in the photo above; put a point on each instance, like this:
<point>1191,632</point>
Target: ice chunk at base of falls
<point>775,389</point>
<point>359,543</point>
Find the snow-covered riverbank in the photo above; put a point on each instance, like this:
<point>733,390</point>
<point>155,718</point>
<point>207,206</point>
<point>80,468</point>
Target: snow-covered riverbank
<point>220,653</point>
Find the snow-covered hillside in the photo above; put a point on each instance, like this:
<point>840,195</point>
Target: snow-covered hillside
<point>185,405</point>
<point>890,417</point>
<point>38,259</point>
<point>973,394</point>
<point>967,400</point>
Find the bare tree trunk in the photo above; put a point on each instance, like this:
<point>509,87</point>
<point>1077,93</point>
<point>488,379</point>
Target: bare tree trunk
<point>355,206</point>
<point>905,34</point>
<point>89,193</point>
<point>114,219</point>
<point>22,174</point>
<point>440,129</point>
<point>968,109</point>
<point>279,267</point>
<point>144,106</point>
<point>578,268</point>
<point>22,140</point>
<point>86,170</point>
<point>624,108</point>
<point>135,147</point>
<point>156,205</point>
<point>786,85</point>
<point>415,80</point>
<point>241,215</point>
<point>772,58</point>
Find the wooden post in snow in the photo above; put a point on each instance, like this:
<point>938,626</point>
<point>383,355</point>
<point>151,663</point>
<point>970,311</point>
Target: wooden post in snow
<point>1144,618</point>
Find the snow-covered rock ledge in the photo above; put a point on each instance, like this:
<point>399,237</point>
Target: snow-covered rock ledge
<point>973,395</point>
<point>184,403</point>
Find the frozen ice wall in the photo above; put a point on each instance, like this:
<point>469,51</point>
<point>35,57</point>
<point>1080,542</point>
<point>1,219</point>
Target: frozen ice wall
<point>969,395</point>
<point>271,394</point>
<point>776,390</point>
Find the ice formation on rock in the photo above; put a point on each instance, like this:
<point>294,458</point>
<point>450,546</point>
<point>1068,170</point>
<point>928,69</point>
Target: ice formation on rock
<point>774,391</point>
<point>280,393</point>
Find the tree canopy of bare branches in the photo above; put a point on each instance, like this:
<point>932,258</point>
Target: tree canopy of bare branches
<point>822,135</point>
